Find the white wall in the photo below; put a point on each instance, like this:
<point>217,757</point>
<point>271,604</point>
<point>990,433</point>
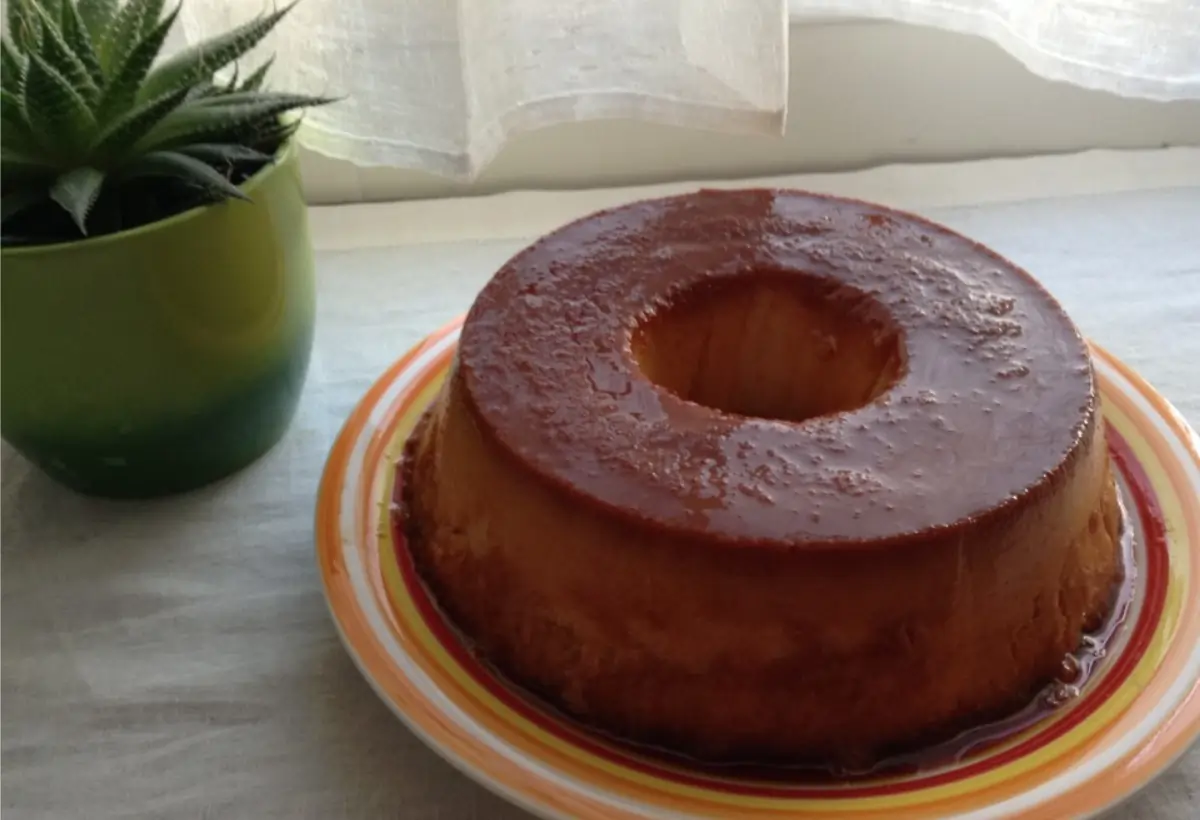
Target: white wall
<point>862,93</point>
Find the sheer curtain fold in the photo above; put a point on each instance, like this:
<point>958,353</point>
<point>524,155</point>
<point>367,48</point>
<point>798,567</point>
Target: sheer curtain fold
<point>1135,48</point>
<point>439,85</point>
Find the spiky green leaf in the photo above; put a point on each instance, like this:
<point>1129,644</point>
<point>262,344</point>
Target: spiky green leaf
<point>74,112</point>
<point>151,14</point>
<point>237,99</point>
<point>122,89</point>
<point>63,58</point>
<point>57,114</point>
<point>201,60</point>
<point>16,131</point>
<point>201,120</point>
<point>12,68</point>
<point>268,135</point>
<point>123,34</point>
<point>187,124</point>
<point>75,33</point>
<point>12,112</point>
<point>217,153</point>
<point>189,171</point>
<point>204,89</point>
<point>56,9</point>
<point>24,24</point>
<point>97,15</point>
<point>14,11</point>
<point>255,81</point>
<point>76,192</point>
<point>117,140</point>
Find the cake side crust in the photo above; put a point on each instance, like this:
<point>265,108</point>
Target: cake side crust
<point>726,656</point>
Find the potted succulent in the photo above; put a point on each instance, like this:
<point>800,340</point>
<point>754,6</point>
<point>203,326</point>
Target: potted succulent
<point>156,277</point>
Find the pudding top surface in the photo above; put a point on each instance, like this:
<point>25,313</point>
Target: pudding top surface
<point>993,397</point>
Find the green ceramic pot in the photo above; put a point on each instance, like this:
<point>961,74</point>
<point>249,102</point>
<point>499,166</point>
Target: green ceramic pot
<point>160,359</point>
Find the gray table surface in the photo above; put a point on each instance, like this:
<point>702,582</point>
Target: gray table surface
<point>175,659</point>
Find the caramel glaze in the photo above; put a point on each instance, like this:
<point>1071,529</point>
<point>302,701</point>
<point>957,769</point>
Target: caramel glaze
<point>887,515</point>
<point>994,397</point>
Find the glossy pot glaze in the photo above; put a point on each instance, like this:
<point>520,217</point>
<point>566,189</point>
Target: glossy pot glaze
<point>162,358</point>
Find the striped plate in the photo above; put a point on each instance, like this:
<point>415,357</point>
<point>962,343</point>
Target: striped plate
<point>1135,715</point>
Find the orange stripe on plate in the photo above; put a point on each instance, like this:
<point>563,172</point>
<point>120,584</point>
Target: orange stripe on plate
<point>1166,477</point>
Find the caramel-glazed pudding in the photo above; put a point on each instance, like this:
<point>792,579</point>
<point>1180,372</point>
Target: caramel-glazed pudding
<point>763,475</point>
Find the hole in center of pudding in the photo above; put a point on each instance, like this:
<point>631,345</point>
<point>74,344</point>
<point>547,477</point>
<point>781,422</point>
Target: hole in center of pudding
<point>766,346</point>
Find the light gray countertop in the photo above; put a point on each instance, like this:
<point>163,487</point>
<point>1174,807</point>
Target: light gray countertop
<point>175,659</point>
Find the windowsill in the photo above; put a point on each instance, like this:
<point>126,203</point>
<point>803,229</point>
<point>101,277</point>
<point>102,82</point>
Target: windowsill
<point>520,215</point>
<point>862,93</point>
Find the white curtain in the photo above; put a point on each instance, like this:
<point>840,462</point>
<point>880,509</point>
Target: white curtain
<point>439,85</point>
